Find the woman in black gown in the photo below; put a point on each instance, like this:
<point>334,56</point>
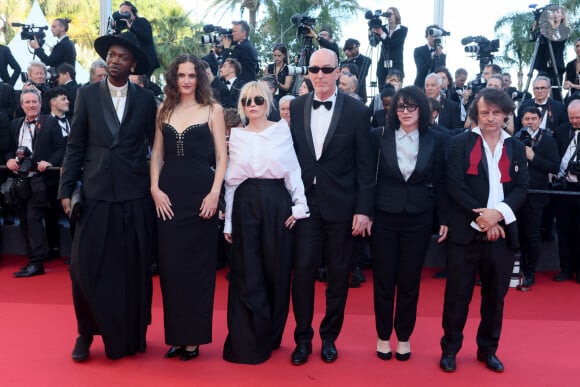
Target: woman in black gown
<point>190,125</point>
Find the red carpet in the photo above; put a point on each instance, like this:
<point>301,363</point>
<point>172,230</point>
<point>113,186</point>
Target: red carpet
<point>539,345</point>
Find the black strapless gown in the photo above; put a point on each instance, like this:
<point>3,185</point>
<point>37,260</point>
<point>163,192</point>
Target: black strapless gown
<point>187,243</point>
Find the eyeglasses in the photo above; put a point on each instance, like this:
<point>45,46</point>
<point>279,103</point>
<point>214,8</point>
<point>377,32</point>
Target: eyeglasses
<point>258,100</point>
<point>540,88</point>
<point>325,70</point>
<point>410,107</point>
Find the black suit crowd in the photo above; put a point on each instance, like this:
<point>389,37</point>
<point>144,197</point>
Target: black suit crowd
<point>63,52</point>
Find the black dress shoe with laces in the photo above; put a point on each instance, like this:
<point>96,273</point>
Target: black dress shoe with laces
<point>29,271</point>
<point>188,355</point>
<point>329,352</point>
<point>491,361</point>
<point>300,354</point>
<point>447,363</point>
<point>81,350</point>
<point>174,352</point>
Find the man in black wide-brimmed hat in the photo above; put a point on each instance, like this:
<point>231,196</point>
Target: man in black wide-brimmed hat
<point>111,251</point>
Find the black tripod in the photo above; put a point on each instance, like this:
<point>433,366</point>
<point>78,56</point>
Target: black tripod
<point>540,40</point>
<point>303,61</point>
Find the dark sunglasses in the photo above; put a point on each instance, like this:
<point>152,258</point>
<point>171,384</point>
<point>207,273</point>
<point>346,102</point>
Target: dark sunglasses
<point>410,107</point>
<point>325,70</point>
<point>258,100</point>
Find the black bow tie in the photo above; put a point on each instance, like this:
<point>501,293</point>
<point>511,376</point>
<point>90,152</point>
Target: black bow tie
<point>62,119</point>
<point>228,83</point>
<point>33,122</point>
<point>327,104</point>
<point>541,106</point>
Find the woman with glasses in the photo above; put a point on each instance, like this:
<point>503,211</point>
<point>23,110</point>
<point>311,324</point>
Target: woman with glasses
<point>410,187</point>
<point>264,199</point>
<point>190,126</point>
<point>279,70</point>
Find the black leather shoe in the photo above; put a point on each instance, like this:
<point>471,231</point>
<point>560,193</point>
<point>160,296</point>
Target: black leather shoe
<point>322,275</point>
<point>81,350</point>
<point>329,352</point>
<point>402,356</point>
<point>357,272</point>
<point>491,361</point>
<point>29,271</point>
<point>447,363</point>
<point>385,355</point>
<point>562,276</point>
<point>300,354</point>
<point>354,282</point>
<point>174,352</point>
<point>188,355</point>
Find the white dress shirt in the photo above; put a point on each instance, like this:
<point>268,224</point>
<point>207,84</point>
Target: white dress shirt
<point>407,145</point>
<point>496,194</point>
<point>119,96</point>
<point>268,154</point>
<point>320,123</point>
<point>566,160</point>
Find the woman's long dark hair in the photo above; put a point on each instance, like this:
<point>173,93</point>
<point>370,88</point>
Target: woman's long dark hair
<point>203,93</point>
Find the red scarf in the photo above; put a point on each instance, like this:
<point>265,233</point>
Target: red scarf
<point>475,158</point>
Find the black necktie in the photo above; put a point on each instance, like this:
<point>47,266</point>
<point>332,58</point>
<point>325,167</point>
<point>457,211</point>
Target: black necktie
<point>327,104</point>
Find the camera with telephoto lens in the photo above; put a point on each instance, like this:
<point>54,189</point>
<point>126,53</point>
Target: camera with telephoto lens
<point>24,157</point>
<point>31,32</point>
<point>213,34</point>
<point>524,136</point>
<point>483,47</point>
<point>375,21</point>
<point>297,70</point>
<point>118,21</point>
<point>303,22</point>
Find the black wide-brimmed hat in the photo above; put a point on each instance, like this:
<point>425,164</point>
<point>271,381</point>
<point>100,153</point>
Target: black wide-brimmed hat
<point>129,41</point>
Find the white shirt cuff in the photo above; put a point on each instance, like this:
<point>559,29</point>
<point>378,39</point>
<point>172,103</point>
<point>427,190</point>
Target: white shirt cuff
<point>506,211</point>
<point>227,226</point>
<point>300,211</point>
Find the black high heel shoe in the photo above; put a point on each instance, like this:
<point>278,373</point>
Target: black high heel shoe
<point>385,355</point>
<point>174,352</point>
<point>188,355</point>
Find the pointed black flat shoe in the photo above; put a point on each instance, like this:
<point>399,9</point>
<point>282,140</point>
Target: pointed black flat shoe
<point>174,352</point>
<point>188,355</point>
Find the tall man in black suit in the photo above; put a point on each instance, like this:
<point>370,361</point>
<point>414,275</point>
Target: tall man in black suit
<point>243,51</point>
<point>230,72</point>
<point>543,159</point>
<point>6,59</point>
<point>112,248</point>
<point>331,134</point>
<point>353,55</point>
<point>553,112</point>
<point>487,179</point>
<point>567,208</point>
<point>63,52</point>
<point>40,135</point>
<point>428,57</point>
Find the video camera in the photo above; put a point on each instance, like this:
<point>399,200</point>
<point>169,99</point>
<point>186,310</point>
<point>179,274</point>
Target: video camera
<point>437,33</point>
<point>303,22</point>
<point>375,21</point>
<point>213,34</point>
<point>31,32</point>
<point>483,47</point>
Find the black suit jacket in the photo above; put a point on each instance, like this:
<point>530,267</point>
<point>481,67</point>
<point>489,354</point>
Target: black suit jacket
<point>234,93</point>
<point>7,99</point>
<point>245,53</point>
<point>467,192</point>
<point>345,173</point>
<point>7,59</point>
<point>425,64</point>
<point>546,160</point>
<point>563,135</point>
<point>142,30</point>
<point>48,144</point>
<point>449,114</point>
<point>71,92</point>
<point>112,167</point>
<point>425,190</point>
<point>392,49</point>
<point>63,52</point>
<point>557,114</point>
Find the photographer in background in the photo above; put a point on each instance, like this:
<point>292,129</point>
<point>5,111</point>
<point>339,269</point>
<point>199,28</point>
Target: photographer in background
<point>567,208</point>
<point>243,51</point>
<point>430,56</point>
<point>353,55</point>
<point>324,39</point>
<point>7,59</point>
<point>392,37</point>
<point>64,50</point>
<point>36,144</point>
<point>542,155</point>
<point>142,30</point>
<point>553,112</point>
